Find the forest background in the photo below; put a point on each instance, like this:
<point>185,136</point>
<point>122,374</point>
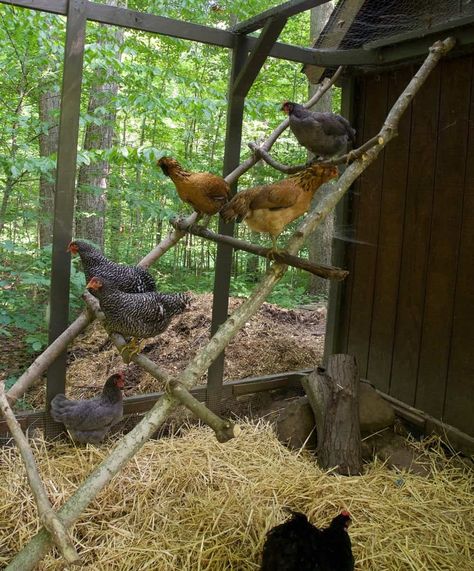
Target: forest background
<point>143,96</point>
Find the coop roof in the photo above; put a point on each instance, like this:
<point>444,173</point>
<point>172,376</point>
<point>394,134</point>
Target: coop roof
<point>376,25</point>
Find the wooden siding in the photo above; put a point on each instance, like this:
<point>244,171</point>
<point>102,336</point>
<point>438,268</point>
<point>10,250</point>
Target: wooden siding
<point>408,306</point>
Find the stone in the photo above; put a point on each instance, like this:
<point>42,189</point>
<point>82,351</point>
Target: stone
<point>375,413</point>
<point>396,452</point>
<point>295,420</point>
<point>295,425</point>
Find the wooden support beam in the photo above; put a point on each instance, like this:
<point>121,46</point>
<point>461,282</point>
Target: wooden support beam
<point>65,192</point>
<point>220,300</point>
<point>258,55</point>
<point>282,10</point>
<point>339,247</point>
<point>325,272</point>
<point>133,20</point>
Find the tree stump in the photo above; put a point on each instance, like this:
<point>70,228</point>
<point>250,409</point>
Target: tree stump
<point>334,397</point>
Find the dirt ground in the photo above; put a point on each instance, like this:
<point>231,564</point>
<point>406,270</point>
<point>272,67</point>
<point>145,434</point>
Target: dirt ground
<point>273,341</point>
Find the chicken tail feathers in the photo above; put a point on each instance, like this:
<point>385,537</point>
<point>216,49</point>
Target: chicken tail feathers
<point>237,209</point>
<point>351,132</point>
<point>58,404</point>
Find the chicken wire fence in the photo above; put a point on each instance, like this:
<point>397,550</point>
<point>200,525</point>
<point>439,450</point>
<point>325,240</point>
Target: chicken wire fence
<point>354,24</point>
<point>42,424</point>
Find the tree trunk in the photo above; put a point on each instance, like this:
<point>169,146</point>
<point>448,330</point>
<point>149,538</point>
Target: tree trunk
<point>320,242</point>
<point>334,398</point>
<point>49,103</point>
<point>92,180</point>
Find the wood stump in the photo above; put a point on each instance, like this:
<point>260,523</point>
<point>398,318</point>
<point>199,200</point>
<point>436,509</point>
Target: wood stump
<point>334,397</point>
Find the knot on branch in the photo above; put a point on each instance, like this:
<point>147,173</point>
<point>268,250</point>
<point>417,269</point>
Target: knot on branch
<point>442,47</point>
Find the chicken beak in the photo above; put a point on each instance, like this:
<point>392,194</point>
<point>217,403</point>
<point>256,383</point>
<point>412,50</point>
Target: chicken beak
<point>92,284</point>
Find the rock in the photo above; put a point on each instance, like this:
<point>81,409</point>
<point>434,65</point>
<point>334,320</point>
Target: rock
<point>375,413</point>
<point>295,420</point>
<point>396,452</point>
<point>295,424</point>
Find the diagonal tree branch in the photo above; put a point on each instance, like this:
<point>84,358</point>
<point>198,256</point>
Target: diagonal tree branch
<point>131,443</point>
<point>49,518</point>
<point>224,429</point>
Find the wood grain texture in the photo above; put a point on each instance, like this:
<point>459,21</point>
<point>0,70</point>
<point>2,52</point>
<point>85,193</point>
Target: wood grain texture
<point>460,384</point>
<point>418,208</point>
<point>368,207</point>
<point>445,234</point>
<point>389,243</point>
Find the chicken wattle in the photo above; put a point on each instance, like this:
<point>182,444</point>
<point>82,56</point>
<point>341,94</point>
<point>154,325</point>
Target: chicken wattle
<point>90,420</point>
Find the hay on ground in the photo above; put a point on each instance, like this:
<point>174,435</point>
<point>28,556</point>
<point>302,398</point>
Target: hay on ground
<point>189,503</point>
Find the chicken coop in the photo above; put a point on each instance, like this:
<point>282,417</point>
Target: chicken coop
<point>406,310</point>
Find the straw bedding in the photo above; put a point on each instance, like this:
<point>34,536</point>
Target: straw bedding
<point>189,503</point>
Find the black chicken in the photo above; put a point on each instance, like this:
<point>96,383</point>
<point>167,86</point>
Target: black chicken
<point>324,134</point>
<point>90,420</point>
<point>136,315</point>
<point>297,545</point>
<point>131,279</point>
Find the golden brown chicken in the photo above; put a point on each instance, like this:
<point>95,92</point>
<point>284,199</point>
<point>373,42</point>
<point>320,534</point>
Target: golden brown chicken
<point>271,207</point>
<point>204,191</point>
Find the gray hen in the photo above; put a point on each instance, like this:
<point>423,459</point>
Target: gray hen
<point>324,134</point>
<point>90,420</point>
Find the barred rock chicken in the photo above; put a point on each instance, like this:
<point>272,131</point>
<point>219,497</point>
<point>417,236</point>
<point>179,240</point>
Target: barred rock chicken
<point>271,207</point>
<point>90,420</point>
<point>326,135</point>
<point>136,315</point>
<point>131,279</point>
<point>205,192</point>
<point>297,545</point>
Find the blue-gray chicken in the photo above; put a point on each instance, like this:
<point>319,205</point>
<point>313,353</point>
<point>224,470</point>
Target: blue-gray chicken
<point>90,420</point>
<point>326,135</point>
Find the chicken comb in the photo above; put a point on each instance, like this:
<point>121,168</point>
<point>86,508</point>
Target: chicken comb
<point>345,513</point>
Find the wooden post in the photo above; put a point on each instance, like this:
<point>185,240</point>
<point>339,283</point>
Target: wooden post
<point>64,198</point>
<point>334,397</point>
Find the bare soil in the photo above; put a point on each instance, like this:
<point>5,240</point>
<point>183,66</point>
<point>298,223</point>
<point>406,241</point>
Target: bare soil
<point>275,340</point>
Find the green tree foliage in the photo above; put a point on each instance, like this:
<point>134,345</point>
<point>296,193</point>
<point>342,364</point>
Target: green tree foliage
<point>171,99</point>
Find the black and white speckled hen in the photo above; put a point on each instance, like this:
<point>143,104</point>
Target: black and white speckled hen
<point>324,134</point>
<point>297,545</point>
<point>136,315</point>
<point>90,420</point>
<point>131,279</point>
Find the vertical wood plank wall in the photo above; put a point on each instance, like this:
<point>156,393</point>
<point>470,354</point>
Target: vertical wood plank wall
<point>408,305</point>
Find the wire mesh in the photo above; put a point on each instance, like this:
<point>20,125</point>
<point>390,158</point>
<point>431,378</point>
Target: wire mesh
<point>376,20</point>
